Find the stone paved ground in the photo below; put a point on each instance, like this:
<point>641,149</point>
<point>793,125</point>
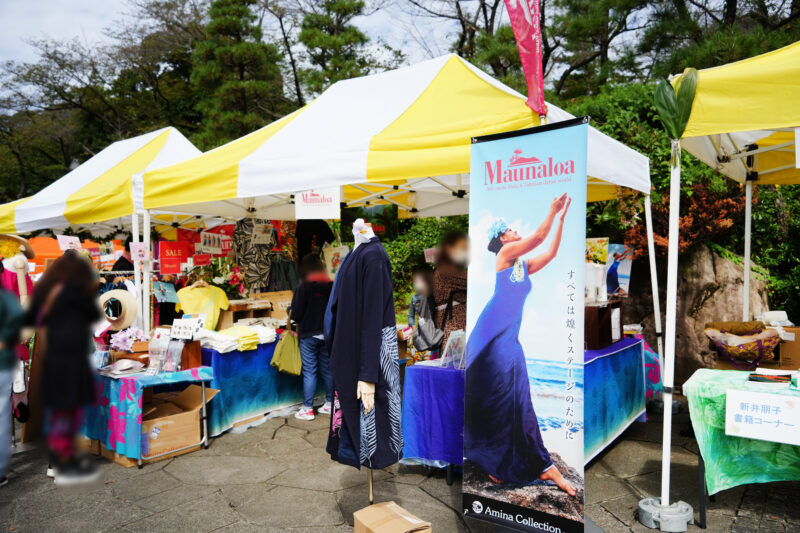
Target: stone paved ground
<point>251,482</point>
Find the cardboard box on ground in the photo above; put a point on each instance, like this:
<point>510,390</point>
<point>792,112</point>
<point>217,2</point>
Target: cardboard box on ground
<point>171,421</point>
<point>388,517</point>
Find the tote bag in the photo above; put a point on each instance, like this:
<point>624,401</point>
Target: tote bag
<point>287,353</point>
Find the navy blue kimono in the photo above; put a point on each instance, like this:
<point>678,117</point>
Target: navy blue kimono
<point>362,337</point>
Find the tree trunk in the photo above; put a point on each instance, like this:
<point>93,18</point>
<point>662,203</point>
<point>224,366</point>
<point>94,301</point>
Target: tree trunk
<point>729,16</point>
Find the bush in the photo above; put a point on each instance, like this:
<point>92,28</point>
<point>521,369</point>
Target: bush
<point>408,250</point>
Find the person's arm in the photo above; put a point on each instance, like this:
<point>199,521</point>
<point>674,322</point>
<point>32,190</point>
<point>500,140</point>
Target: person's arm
<point>540,261</point>
<point>412,311</point>
<point>511,251</point>
<point>299,303</point>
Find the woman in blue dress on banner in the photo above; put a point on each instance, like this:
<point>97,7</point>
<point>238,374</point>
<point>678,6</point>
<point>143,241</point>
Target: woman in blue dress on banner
<point>502,431</point>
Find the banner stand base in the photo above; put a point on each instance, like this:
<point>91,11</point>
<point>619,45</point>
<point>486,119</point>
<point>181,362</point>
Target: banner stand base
<point>673,519</point>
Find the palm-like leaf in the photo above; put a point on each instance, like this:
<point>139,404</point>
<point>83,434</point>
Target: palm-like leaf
<point>673,109</point>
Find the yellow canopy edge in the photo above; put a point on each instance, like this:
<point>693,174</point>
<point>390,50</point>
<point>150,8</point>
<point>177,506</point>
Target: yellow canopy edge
<point>217,170</point>
<point>438,127</point>
<point>759,93</point>
<point>7,217</point>
<point>110,195</point>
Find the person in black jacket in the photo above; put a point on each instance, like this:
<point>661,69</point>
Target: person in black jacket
<point>65,304</point>
<point>308,311</point>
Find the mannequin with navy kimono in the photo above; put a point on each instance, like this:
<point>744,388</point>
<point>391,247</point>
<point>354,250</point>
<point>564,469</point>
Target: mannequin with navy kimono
<point>362,337</point>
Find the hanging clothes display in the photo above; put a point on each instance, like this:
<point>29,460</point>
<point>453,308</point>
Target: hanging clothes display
<point>253,252</point>
<point>312,236</point>
<point>204,300</point>
<point>361,331</point>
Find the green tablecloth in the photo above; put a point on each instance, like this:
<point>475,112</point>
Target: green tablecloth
<point>732,461</point>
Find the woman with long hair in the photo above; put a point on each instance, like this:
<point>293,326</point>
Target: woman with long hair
<point>65,305</point>
<point>502,431</point>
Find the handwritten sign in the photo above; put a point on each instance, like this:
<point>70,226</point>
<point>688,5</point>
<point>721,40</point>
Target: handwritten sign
<point>773,417</point>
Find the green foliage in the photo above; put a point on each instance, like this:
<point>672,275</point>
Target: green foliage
<point>237,75</point>
<point>335,48</point>
<point>407,251</point>
<point>498,54</point>
<point>675,104</point>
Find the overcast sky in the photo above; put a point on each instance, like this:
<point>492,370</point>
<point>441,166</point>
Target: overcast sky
<point>21,20</point>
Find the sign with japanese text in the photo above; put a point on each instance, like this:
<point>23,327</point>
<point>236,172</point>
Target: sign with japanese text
<point>524,428</point>
<point>774,417</point>
<point>322,204</point>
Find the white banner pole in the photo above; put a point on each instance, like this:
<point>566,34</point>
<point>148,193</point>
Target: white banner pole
<point>748,223</point>
<point>137,274</point>
<point>147,273</point>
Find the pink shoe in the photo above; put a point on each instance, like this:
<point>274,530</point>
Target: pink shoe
<point>325,409</point>
<point>305,413</point>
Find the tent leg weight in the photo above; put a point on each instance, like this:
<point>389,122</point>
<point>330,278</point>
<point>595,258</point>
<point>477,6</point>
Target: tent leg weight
<point>672,519</point>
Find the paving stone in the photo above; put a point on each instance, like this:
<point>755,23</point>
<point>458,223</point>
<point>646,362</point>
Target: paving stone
<point>436,485</point>
<point>280,449</point>
<point>236,495</point>
<point>600,487</point>
<point>40,506</point>
<point>318,438</point>
<point>329,476</point>
<point>284,507</point>
<point>605,519</point>
<point>413,474</point>
<point>630,458</point>
<point>623,509</point>
<point>97,511</point>
<point>174,497</point>
<point>204,514</point>
<point>745,524</point>
<point>140,487</point>
<point>223,470</point>
<point>320,422</point>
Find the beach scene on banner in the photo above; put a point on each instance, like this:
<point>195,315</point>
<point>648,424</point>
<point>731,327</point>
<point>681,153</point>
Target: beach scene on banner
<point>524,387</point>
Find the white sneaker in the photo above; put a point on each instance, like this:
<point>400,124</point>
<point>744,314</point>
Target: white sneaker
<point>325,409</point>
<point>305,413</point>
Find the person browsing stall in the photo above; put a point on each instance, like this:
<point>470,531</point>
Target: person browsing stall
<point>308,311</point>
<point>450,284</point>
<point>10,322</point>
<point>422,283</point>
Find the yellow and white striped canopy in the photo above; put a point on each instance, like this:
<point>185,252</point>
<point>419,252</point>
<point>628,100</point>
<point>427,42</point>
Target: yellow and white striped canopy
<point>744,117</point>
<point>107,187</point>
<point>399,137</point>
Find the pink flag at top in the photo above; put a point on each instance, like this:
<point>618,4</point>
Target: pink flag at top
<point>525,20</point>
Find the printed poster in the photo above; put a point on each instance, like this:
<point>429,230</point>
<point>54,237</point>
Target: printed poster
<point>618,269</point>
<point>523,429</point>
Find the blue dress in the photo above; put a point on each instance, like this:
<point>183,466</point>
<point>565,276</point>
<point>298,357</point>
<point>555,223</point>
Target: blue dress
<point>612,277</point>
<point>501,431</point>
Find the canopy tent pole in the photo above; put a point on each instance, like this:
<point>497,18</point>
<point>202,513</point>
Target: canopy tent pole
<point>748,222</point>
<point>137,275</point>
<point>672,308</point>
<point>651,251</point>
<point>146,281</point>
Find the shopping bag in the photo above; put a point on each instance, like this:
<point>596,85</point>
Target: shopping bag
<point>287,354</point>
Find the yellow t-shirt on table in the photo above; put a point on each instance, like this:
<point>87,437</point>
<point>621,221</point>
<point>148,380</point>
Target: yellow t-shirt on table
<point>204,301</point>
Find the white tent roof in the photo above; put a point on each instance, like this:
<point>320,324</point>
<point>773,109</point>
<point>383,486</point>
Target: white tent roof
<point>401,137</point>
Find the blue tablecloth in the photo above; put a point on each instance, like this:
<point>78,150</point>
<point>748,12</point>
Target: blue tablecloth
<point>615,392</point>
<point>116,419</point>
<point>248,387</point>
<point>433,414</point>
<point>433,403</point>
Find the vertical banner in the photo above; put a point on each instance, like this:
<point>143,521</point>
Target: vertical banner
<point>523,427</point>
<point>525,18</point>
